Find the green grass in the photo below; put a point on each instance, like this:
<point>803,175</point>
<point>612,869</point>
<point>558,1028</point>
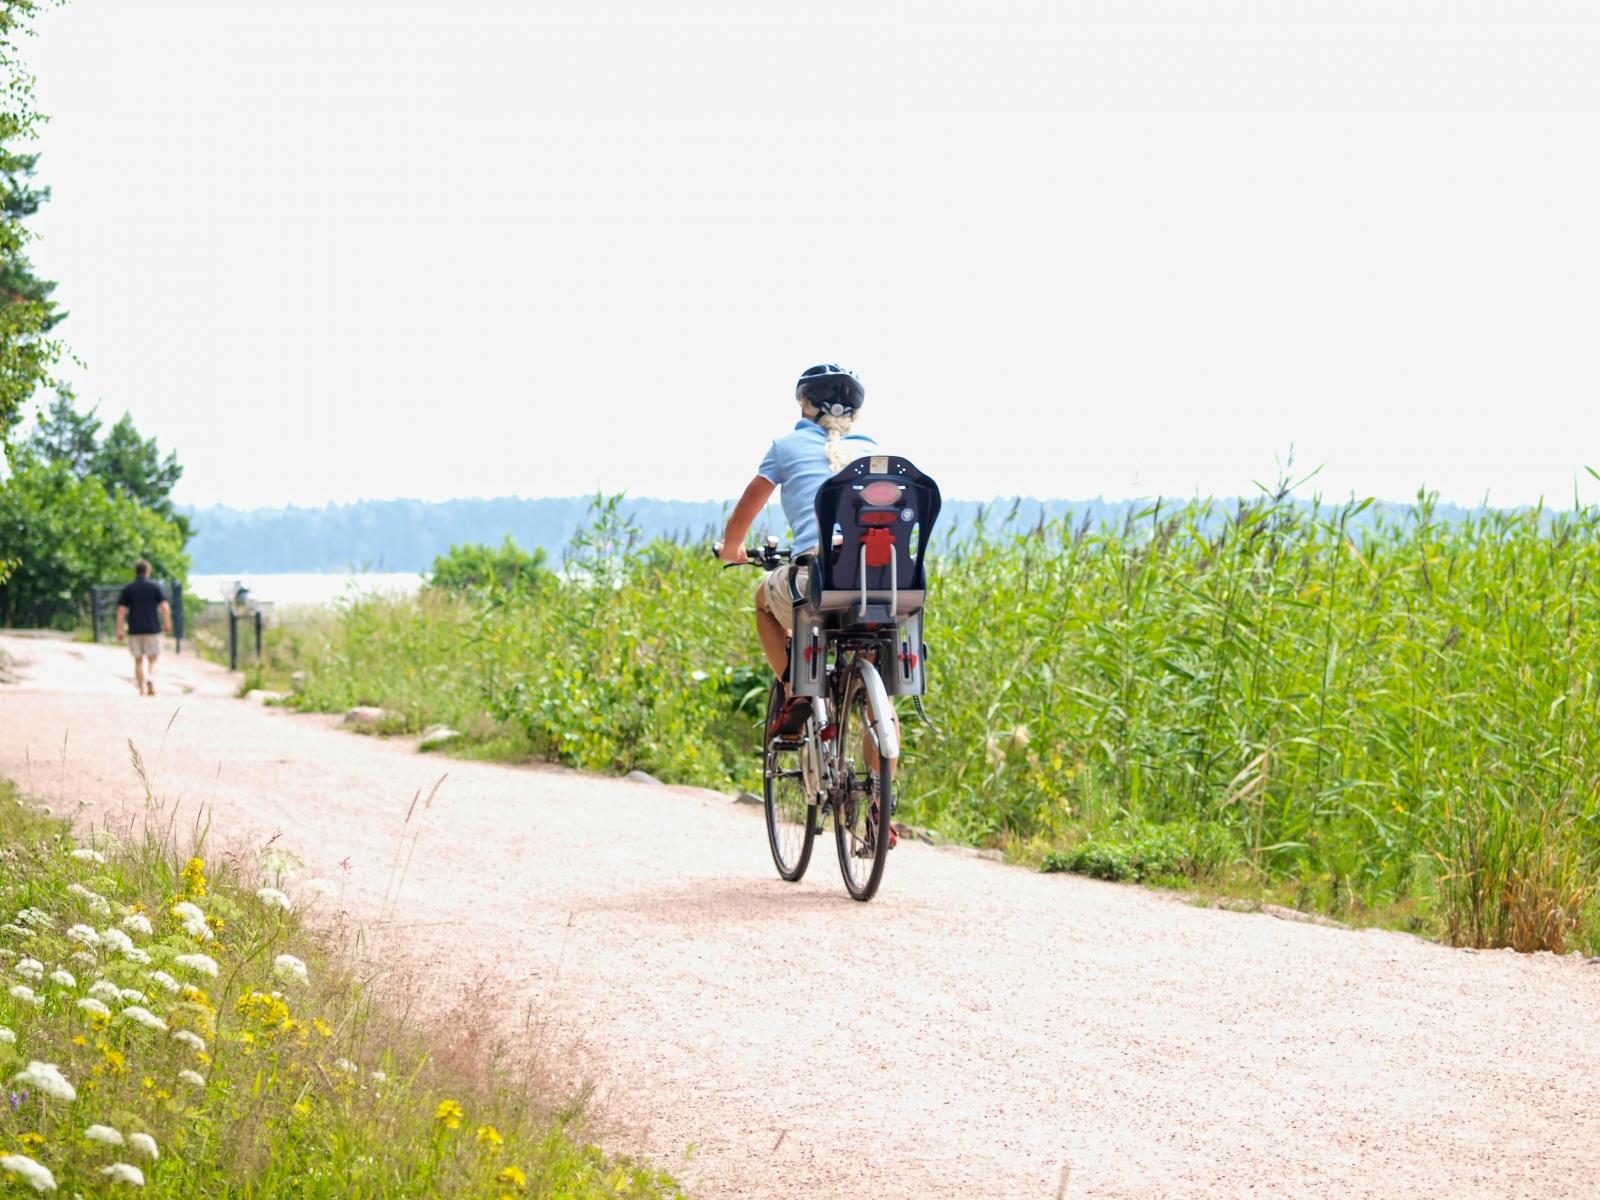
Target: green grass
<point>253,1082</point>
<point>1359,714</point>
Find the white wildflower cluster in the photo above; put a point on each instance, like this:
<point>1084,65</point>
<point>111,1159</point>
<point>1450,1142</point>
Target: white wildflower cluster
<point>144,1144</point>
<point>134,996</point>
<point>138,923</point>
<point>85,855</point>
<point>124,1173</point>
<point>289,968</point>
<point>93,1007</point>
<point>145,1017</point>
<point>192,1040</point>
<point>273,898</point>
<point>192,1077</point>
<point>204,964</point>
<point>103,1134</point>
<point>64,979</point>
<point>36,1174</point>
<point>35,918</point>
<point>104,989</point>
<point>194,921</point>
<point>345,1065</point>
<point>164,981</point>
<point>8,1036</point>
<point>24,993</point>
<point>46,1078</point>
<point>30,968</point>
<point>96,903</point>
<point>84,935</point>
<point>115,939</point>
<point>21,931</point>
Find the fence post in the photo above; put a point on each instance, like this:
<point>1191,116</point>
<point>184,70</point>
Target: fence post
<point>233,639</point>
<point>177,617</point>
<point>94,613</point>
<point>258,635</point>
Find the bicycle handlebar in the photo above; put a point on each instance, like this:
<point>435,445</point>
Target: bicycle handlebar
<point>767,557</point>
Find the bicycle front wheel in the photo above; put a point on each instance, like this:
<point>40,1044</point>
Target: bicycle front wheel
<point>864,809</point>
<point>791,831</point>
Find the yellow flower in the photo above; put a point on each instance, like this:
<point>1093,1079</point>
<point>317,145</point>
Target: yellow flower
<point>513,1176</point>
<point>116,1061</point>
<point>136,907</point>
<point>264,1007</point>
<point>147,1083</point>
<point>322,1027</point>
<point>31,1139</point>
<point>201,1057</point>
<point>163,1094</point>
<point>98,1021</point>
<point>194,877</point>
<point>195,995</point>
<point>489,1136</point>
<point>448,1114</point>
<point>217,924</point>
<point>303,1107</point>
<point>80,1040</point>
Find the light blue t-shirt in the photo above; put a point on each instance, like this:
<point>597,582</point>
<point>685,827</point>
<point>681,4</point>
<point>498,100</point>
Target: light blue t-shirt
<point>798,464</point>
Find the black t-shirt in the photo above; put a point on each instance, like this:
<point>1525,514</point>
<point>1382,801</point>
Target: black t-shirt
<point>143,599</point>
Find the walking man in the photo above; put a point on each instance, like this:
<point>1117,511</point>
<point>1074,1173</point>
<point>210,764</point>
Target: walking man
<point>143,611</point>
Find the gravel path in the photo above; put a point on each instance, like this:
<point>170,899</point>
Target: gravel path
<point>977,1030</point>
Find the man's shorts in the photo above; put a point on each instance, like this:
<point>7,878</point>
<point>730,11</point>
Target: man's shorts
<point>144,645</point>
<point>776,589</point>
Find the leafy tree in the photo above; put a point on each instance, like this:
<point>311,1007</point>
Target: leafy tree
<point>27,313</point>
<point>133,466</point>
<point>66,435</point>
<point>472,567</point>
<point>72,532</point>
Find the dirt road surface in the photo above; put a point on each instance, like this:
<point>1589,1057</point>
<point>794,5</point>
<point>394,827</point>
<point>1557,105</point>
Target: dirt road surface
<point>978,1030</point>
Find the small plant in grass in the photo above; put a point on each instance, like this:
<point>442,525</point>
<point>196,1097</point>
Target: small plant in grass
<point>170,1027</point>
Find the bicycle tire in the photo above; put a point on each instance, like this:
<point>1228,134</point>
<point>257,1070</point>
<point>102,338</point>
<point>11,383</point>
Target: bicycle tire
<point>791,828</point>
<point>862,819</point>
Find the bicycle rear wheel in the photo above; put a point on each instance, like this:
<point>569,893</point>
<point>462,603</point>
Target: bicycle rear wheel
<point>791,831</point>
<point>862,817</point>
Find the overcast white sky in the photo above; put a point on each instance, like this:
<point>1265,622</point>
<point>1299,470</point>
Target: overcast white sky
<point>332,249</point>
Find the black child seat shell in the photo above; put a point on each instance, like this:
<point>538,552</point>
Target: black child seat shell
<point>869,576</point>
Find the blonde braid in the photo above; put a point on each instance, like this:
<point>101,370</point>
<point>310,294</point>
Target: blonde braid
<point>840,456</point>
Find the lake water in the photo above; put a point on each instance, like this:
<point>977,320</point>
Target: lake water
<point>292,590</point>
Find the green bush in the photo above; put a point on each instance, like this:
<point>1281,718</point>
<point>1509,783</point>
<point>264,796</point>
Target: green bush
<point>474,567</point>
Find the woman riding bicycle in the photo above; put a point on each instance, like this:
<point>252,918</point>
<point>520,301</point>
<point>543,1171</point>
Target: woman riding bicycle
<point>799,463</point>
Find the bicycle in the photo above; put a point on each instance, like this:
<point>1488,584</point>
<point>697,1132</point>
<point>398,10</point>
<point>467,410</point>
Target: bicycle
<point>846,625</point>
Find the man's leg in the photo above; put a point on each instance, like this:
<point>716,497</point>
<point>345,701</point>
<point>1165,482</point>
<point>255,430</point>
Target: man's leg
<point>138,672</point>
<point>150,676</point>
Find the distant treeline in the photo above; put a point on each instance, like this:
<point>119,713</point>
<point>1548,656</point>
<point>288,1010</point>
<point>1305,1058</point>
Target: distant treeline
<point>406,535</point>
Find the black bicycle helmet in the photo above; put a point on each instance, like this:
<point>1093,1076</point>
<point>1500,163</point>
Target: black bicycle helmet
<point>831,389</point>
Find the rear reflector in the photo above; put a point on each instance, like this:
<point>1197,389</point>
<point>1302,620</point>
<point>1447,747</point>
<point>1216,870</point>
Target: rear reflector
<point>881,491</point>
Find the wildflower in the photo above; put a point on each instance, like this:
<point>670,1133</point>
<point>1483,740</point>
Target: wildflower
<point>302,1106</point>
<point>83,855</point>
<point>512,1176</point>
<point>273,898</point>
<point>84,957</point>
<point>193,1040</point>
<point>164,981</point>
<point>80,1040</point>
<point>90,1005</point>
<point>116,1061</point>
<point>269,1010</point>
<point>132,996</point>
<point>378,1076</point>
<point>448,1114</point>
<point>144,1017</point>
<point>18,930</point>
<point>115,939</point>
<point>137,922</point>
<point>145,1145</point>
<point>135,955</point>
<point>345,1065</point>
<point>124,1173</point>
<point>287,967</point>
<point>217,924</point>
<point>193,1077</point>
<point>194,877</point>
<point>104,989</point>
<point>47,1078</point>
<point>322,1027</point>
<point>194,921</point>
<point>31,1139</point>
<point>8,1037</point>
<point>202,963</point>
<point>489,1136</point>
<point>104,1134</point>
<point>96,903</point>
<point>84,934</point>
<point>37,918</point>
<point>30,968</point>
<point>37,1175</point>
<point>25,993</point>
<point>64,979</point>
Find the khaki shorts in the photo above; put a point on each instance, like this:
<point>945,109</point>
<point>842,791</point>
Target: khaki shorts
<point>775,587</point>
<point>144,645</point>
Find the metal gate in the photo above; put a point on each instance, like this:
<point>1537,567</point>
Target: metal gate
<point>103,608</point>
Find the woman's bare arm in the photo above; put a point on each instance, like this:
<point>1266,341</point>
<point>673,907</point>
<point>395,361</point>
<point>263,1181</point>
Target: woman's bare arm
<point>744,515</point>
